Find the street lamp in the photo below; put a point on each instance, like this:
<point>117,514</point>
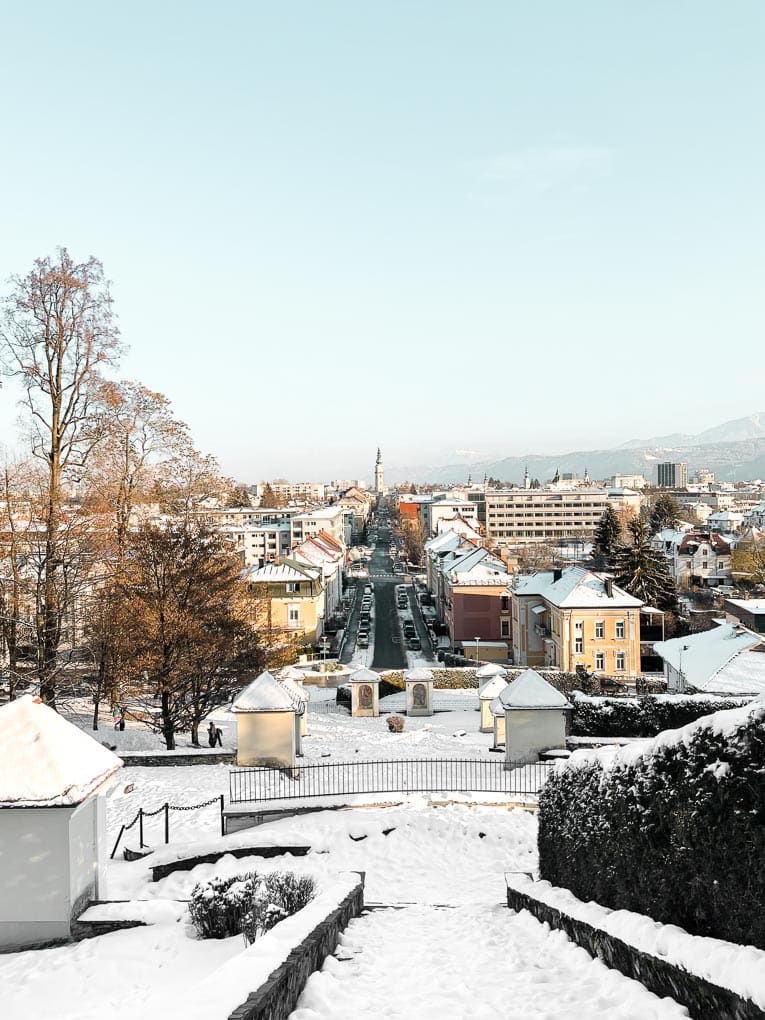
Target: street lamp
<point>477,644</point>
<point>682,685</point>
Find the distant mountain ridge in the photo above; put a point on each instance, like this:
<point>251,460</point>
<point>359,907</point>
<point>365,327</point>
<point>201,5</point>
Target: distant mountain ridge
<point>734,451</point>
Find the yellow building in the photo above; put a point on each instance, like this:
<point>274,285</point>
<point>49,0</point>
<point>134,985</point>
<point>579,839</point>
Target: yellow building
<point>575,617</point>
<point>293,597</point>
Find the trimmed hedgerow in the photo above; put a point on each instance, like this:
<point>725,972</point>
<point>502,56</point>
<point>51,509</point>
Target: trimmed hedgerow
<point>677,832</point>
<point>639,717</point>
<point>458,678</point>
<point>250,904</point>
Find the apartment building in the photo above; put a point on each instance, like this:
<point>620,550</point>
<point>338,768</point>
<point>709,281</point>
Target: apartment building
<point>299,492</point>
<point>443,509</point>
<point>337,521</point>
<point>530,516</point>
<point>575,617</point>
<point>671,476</point>
<point>293,597</point>
<point>696,558</point>
<point>259,544</point>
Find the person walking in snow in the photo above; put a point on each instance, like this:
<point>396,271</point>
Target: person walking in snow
<point>212,733</point>
<point>116,714</point>
<point>218,737</point>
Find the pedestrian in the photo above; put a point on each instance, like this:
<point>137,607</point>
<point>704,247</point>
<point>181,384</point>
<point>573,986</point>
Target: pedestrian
<point>218,736</point>
<point>122,719</point>
<point>212,733</point>
<point>116,716</point>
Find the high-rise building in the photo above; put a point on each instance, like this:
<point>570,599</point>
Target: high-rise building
<point>379,475</point>
<point>672,476</point>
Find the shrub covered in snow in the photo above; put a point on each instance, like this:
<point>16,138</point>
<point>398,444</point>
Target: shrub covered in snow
<point>250,904</point>
<point>460,678</point>
<point>395,723</point>
<point>639,717</point>
<point>674,829</point>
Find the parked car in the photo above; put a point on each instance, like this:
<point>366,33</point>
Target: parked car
<point>414,644</point>
<point>409,629</point>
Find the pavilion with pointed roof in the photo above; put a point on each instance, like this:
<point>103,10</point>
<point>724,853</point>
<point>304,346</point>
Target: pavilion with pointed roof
<point>265,724</point>
<point>52,838</point>
<point>365,693</point>
<point>535,717</point>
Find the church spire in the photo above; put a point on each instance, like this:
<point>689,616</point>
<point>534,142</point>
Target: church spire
<point>379,474</point>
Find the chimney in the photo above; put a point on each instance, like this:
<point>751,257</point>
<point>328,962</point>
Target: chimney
<point>609,587</point>
<point>557,574</point>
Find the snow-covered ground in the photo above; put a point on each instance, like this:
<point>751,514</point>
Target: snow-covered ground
<point>453,950</point>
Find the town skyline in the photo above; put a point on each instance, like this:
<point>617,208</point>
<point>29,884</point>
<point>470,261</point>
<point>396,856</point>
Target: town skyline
<point>521,218</point>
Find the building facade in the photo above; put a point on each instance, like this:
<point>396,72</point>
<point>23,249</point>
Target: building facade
<point>672,476</point>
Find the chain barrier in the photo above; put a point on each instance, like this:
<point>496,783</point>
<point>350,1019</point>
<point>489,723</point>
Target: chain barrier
<point>166,808</point>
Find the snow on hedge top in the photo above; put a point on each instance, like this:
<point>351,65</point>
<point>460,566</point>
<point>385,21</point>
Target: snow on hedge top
<point>530,690</point>
<point>47,761</point>
<point>490,670</point>
<point>492,688</point>
<point>420,675</point>
<point>725,724</point>
<point>264,694</point>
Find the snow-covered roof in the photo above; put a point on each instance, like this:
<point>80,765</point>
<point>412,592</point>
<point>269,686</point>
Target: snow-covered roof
<point>300,695</point>
<point>280,572</point>
<point>576,588</point>
<point>291,673</point>
<point>755,606</point>
<point>496,707</point>
<point>530,690</point>
<point>264,694</point>
<point>490,669</point>
<point>365,676</point>
<point>420,675</point>
<point>714,660</point>
<point>493,687</point>
<point>47,761</point>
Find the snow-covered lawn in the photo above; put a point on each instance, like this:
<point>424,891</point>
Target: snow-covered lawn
<point>452,950</point>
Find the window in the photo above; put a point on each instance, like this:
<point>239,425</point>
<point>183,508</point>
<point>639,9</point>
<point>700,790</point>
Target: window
<point>294,616</point>
<point>293,587</point>
<point>619,629</point>
<point>504,604</point>
<point>505,628</point>
<point>578,646</point>
<point>579,626</point>
<point>620,660</point>
<point>600,630</point>
<point>600,660</point>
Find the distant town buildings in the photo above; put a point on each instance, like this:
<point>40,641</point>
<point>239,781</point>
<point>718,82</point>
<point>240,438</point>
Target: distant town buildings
<point>672,476</point>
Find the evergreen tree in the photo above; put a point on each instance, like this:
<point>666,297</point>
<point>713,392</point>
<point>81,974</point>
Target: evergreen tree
<point>607,538</point>
<point>643,571</point>
<point>665,513</point>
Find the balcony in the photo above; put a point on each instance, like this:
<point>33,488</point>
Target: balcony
<point>541,631</point>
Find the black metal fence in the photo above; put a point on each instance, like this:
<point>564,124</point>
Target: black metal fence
<point>434,775</point>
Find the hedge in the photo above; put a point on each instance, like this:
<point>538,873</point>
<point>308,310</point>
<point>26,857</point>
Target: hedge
<point>676,831</point>
<point>640,717</point>
<point>460,678</point>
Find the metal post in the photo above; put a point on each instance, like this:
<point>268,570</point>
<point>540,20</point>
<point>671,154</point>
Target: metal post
<point>167,822</point>
<point>222,818</point>
<point>140,828</point>
<point>114,851</point>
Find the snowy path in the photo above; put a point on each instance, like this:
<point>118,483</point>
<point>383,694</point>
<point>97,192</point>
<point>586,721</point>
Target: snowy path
<point>466,963</point>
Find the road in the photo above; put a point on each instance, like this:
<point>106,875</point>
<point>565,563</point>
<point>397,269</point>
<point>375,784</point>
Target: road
<point>389,653</point>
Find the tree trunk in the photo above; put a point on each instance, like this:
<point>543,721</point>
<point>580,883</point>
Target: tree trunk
<point>98,692</point>
<point>168,730</point>
<point>195,734</point>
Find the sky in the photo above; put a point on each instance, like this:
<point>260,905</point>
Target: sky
<point>426,226</point>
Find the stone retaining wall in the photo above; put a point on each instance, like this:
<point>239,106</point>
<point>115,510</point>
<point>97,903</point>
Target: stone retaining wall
<point>704,1000</point>
<point>277,998</point>
<point>153,760</point>
<point>160,871</point>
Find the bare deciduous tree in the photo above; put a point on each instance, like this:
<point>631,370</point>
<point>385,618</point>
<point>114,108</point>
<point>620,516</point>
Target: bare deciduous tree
<point>57,334</point>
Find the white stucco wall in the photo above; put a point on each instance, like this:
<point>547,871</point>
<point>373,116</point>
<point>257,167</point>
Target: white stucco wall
<point>427,695</point>
<point>83,854</point>
<point>359,710</point>
<point>529,731</point>
<point>266,738</point>
<point>34,875</point>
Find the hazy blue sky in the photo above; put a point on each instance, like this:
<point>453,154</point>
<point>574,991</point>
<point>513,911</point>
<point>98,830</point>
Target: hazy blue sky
<point>501,226</point>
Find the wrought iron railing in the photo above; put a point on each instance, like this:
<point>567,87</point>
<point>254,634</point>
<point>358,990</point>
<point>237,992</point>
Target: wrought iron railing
<point>434,775</point>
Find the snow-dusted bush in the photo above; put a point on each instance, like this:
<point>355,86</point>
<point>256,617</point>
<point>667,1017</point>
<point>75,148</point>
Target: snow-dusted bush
<point>395,723</point>
<point>279,895</point>
<point>216,907</point>
<point>639,717</point>
<point>250,903</point>
<point>674,829</point>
